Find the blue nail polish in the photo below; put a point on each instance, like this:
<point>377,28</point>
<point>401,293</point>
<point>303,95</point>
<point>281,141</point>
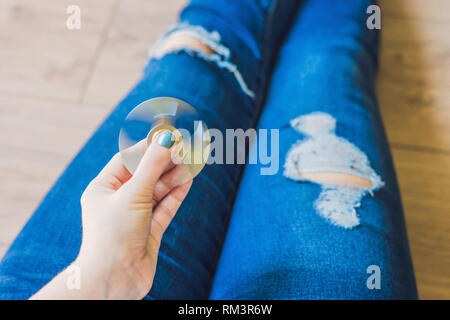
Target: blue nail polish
<point>165,139</point>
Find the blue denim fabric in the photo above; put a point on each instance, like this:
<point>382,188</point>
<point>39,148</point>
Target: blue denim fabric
<point>252,31</point>
<point>277,246</point>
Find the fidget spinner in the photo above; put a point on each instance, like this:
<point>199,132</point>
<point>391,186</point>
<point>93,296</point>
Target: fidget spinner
<point>143,124</point>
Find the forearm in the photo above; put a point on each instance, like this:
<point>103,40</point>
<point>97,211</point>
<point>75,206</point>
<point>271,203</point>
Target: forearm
<point>76,282</point>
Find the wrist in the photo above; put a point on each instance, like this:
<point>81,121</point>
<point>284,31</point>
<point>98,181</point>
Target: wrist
<point>87,279</point>
<point>75,282</point>
<point>104,277</point>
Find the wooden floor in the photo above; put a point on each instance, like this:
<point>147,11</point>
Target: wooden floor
<point>57,85</point>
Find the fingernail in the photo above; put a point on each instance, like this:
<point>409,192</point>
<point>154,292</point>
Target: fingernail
<point>165,139</point>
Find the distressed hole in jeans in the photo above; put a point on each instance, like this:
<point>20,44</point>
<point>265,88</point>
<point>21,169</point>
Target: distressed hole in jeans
<point>197,41</point>
<point>342,170</point>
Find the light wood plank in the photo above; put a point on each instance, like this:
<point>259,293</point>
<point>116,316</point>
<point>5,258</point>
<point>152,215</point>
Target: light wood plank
<point>424,180</point>
<point>136,27</point>
<point>431,10</point>
<point>37,140</point>
<point>413,82</point>
<point>40,56</point>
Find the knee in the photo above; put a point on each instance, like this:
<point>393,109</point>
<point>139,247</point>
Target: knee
<point>342,169</point>
<point>180,41</point>
<point>198,42</point>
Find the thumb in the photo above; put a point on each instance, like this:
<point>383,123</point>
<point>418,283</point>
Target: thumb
<point>154,162</point>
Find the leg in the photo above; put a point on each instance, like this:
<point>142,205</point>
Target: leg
<point>331,224</point>
<point>217,59</point>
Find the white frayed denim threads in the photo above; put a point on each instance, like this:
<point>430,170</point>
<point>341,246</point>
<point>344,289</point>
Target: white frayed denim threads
<point>221,55</point>
<point>323,151</point>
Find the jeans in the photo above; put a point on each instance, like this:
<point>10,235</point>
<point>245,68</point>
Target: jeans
<point>263,236</point>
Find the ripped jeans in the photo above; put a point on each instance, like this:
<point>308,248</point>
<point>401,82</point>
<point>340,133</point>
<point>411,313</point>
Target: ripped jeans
<point>305,68</point>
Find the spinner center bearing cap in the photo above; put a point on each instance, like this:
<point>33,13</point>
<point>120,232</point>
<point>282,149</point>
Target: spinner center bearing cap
<point>143,124</point>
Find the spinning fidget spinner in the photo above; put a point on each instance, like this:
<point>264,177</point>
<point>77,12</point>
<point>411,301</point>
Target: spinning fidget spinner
<point>143,124</point>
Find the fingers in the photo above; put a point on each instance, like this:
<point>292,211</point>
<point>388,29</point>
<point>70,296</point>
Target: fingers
<point>132,155</point>
<point>114,174</point>
<point>177,176</point>
<point>154,162</point>
<point>167,208</point>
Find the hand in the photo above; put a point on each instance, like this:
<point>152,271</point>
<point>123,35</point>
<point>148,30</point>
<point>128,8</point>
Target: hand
<point>121,236</point>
